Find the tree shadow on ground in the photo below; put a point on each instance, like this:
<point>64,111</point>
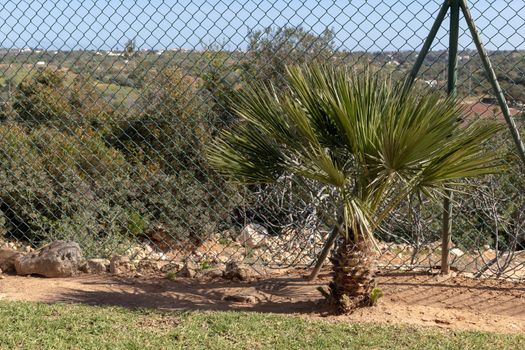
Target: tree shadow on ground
<point>286,294</point>
<point>272,295</point>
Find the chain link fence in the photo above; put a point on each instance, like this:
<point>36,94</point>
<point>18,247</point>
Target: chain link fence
<point>107,108</point>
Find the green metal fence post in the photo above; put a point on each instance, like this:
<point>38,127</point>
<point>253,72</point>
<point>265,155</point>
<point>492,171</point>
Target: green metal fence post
<point>452,91</point>
<point>493,79</point>
<point>428,42</point>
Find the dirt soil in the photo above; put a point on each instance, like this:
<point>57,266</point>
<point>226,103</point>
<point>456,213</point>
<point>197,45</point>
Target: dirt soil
<point>421,300</point>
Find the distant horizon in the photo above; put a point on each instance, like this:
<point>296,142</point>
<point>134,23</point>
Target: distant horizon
<point>175,49</point>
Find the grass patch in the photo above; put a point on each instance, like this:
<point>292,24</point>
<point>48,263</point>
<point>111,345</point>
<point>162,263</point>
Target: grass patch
<point>62,326</point>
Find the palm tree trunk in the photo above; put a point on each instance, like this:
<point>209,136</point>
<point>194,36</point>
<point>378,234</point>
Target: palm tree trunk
<point>353,265</point>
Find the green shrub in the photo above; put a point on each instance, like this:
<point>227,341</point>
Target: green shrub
<point>62,100</point>
<point>54,184</point>
<point>188,208</point>
<point>270,50</point>
<point>42,99</point>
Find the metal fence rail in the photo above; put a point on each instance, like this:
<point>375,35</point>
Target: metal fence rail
<point>107,108</point>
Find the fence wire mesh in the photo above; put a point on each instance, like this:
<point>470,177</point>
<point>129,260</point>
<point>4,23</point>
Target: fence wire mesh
<point>107,108</point>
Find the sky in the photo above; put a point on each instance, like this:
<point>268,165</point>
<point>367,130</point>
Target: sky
<point>159,24</point>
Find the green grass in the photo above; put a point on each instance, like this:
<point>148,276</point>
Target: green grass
<point>62,326</point>
<point>120,95</point>
<point>16,72</point>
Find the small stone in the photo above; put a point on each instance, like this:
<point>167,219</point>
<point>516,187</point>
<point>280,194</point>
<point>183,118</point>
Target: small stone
<point>174,266</point>
<point>189,270</point>
<point>212,273</point>
<point>147,249</point>
<point>238,298</point>
<point>253,236</point>
<point>136,253</point>
<point>237,271</point>
<point>457,252</point>
<point>97,265</point>
<point>486,247</point>
<point>149,265</point>
<point>7,259</point>
<point>223,258</point>
<point>120,264</point>
<point>441,321</point>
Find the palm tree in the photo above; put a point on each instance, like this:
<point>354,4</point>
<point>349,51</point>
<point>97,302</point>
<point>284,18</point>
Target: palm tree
<point>370,139</point>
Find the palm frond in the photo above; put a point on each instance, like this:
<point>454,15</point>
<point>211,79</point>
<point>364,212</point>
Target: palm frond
<point>360,133</point>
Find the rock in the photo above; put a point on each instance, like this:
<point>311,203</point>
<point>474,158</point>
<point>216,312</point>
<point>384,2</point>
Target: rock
<point>58,259</point>
<point>174,266</point>
<point>489,254</point>
<point>486,247</point>
<point>97,265</point>
<point>157,256</point>
<point>149,266</point>
<point>221,259</point>
<point>468,275</point>
<point>7,259</point>
<point>238,298</point>
<point>189,270</point>
<point>135,253</point>
<point>457,252</point>
<point>147,249</point>
<point>120,264</point>
<point>237,271</point>
<point>253,236</point>
<point>212,273</point>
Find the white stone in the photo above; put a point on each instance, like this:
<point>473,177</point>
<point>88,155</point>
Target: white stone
<point>253,236</point>
<point>97,265</point>
<point>457,252</point>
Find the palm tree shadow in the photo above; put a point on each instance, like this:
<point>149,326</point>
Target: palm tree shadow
<point>290,294</point>
<point>271,295</point>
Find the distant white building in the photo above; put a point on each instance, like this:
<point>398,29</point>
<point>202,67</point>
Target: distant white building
<point>40,64</point>
<point>178,49</point>
<point>431,83</point>
<point>117,54</point>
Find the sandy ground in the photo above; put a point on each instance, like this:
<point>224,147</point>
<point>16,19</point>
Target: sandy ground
<point>422,300</point>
